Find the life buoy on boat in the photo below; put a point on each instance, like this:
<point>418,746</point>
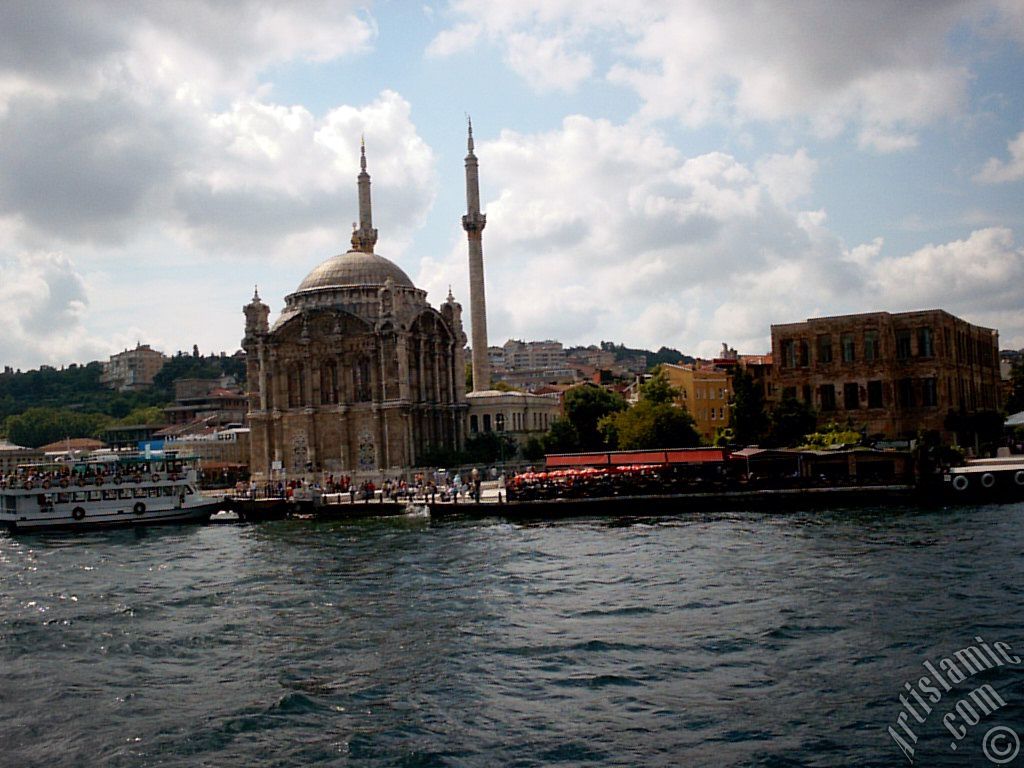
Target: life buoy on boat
<point>960,482</point>
<point>139,508</point>
<point>988,480</point>
<point>1019,477</point>
<point>78,513</point>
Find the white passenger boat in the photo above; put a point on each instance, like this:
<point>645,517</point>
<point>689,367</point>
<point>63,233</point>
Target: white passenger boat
<point>1000,478</point>
<point>103,491</point>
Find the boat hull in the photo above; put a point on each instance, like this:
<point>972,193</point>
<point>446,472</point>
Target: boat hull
<point>199,513</point>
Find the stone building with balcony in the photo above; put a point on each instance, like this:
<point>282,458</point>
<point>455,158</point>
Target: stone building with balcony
<point>891,375</point>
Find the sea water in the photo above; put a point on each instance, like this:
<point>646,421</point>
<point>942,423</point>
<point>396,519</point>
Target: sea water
<point>687,640</point>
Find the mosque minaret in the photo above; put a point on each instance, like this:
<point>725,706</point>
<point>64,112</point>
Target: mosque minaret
<point>474,222</point>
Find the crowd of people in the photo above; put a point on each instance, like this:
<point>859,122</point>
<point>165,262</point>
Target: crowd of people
<point>438,486</point>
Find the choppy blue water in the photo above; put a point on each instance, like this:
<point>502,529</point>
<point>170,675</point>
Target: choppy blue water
<point>705,640</point>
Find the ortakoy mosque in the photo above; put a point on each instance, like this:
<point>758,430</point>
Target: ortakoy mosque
<point>359,373</point>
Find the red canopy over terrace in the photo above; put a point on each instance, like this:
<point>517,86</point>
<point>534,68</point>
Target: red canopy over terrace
<point>652,458</point>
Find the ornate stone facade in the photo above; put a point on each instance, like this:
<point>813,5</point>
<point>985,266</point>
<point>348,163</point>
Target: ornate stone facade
<point>359,373</point>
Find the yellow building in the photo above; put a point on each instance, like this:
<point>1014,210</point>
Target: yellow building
<point>704,391</point>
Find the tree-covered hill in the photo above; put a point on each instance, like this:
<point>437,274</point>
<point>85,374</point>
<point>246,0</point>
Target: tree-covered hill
<point>71,401</point>
<point>654,359</point>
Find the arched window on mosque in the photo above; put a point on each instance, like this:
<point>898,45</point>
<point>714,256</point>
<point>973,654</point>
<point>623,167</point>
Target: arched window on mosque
<point>499,422</point>
<point>361,381</point>
<point>329,383</point>
<point>296,386</point>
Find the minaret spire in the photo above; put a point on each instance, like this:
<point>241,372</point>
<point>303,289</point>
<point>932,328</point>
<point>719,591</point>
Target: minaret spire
<point>474,222</point>
<point>365,237</point>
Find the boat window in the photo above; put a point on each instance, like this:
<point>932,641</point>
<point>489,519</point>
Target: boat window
<point>94,495</point>
<point>63,498</point>
<point>168,491</point>
<point>139,493</point>
<point>109,494</point>
<point>79,496</point>
<point>124,493</point>
<point>153,492</point>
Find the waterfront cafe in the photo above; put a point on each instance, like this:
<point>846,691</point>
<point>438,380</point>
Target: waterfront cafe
<point>766,467</point>
<point>847,466</point>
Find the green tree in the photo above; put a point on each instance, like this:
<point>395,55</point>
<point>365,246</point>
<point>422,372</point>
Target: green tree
<point>39,426</point>
<point>151,415</point>
<point>585,406</point>
<point>658,390</point>
<point>791,421</point>
<point>654,422</point>
<point>749,421</point>
<point>561,437</point>
<point>533,448</point>
<point>832,434</point>
<point>490,447</point>
<point>651,424</point>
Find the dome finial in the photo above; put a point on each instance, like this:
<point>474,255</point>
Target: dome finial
<point>362,151</point>
<point>469,139</point>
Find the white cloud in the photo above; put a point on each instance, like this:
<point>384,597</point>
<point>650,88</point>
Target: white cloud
<point>266,176</point>
<point>982,273</point>
<point>203,48</point>
<point>885,141</point>
<point>788,178</point>
<point>604,231</point>
<point>43,301</point>
<point>998,171</point>
<point>627,236</point>
<point>882,68</point>
<point>547,63</point>
<point>140,142</point>
<point>454,40</point>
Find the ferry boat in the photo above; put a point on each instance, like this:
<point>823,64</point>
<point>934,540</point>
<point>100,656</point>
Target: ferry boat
<point>998,479</point>
<point>103,491</point>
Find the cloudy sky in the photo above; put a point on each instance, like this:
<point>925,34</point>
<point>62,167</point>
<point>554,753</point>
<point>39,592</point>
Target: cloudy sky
<point>676,173</point>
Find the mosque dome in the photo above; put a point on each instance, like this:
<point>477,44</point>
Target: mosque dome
<point>352,270</point>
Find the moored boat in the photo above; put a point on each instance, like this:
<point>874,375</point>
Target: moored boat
<point>104,491</point>
<point>998,479</point>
